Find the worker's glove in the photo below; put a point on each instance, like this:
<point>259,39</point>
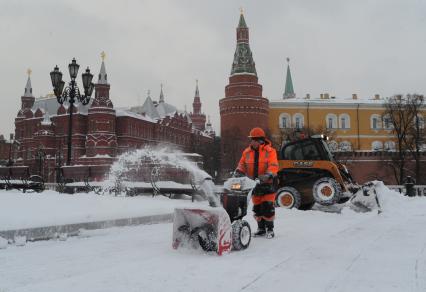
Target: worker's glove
<point>265,178</point>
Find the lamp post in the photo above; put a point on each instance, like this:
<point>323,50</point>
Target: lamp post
<point>58,158</point>
<point>40,155</point>
<point>10,162</point>
<point>71,93</point>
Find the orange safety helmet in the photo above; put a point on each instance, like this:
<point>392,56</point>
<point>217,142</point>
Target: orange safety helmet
<point>257,133</point>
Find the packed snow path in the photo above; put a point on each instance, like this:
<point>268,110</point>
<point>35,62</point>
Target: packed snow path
<point>312,251</point>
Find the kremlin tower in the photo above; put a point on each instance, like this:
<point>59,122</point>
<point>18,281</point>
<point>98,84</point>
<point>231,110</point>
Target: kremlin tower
<point>198,118</point>
<point>243,107</point>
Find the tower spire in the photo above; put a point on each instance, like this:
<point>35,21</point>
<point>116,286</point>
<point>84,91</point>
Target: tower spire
<point>197,117</point>
<point>197,92</point>
<point>161,93</point>
<point>28,88</point>
<point>102,74</point>
<point>288,91</point>
<point>242,22</point>
<point>196,105</point>
<point>243,59</point>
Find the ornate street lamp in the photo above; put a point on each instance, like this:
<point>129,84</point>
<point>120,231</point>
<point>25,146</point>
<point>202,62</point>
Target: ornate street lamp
<point>10,162</point>
<point>40,155</point>
<point>71,93</point>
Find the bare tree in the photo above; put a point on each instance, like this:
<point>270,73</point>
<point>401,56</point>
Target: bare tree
<point>415,104</point>
<point>399,117</point>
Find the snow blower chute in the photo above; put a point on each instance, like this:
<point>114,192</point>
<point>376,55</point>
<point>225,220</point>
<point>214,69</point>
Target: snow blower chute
<point>216,228</point>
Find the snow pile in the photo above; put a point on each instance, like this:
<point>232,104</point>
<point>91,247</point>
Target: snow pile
<point>368,198</point>
<point>390,200</point>
<point>3,243</point>
<point>20,240</point>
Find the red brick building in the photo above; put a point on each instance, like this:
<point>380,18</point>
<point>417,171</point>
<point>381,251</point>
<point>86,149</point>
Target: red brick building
<point>4,150</point>
<point>100,131</point>
<point>243,107</point>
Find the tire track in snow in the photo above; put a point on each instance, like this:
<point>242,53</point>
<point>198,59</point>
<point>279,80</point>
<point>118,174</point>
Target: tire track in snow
<point>342,275</point>
<point>268,270</point>
<point>416,268</point>
<point>349,231</point>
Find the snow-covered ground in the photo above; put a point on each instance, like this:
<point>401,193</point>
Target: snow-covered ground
<point>312,251</point>
<point>19,210</point>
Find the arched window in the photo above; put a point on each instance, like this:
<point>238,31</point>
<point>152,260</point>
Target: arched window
<point>377,146</point>
<point>298,121</point>
<point>375,123</point>
<point>345,146</point>
<point>331,121</point>
<point>333,146</point>
<point>389,145</point>
<point>284,121</point>
<point>345,121</point>
<point>420,121</point>
<point>387,123</point>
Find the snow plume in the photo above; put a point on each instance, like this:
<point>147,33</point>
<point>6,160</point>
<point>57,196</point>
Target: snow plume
<point>131,162</point>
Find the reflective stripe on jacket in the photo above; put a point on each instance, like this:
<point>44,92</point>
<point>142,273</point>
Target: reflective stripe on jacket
<point>268,163</point>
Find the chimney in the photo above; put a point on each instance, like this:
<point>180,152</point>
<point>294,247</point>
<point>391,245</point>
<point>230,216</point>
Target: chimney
<point>377,96</point>
<point>354,96</point>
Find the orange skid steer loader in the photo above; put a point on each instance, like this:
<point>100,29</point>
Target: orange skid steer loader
<point>309,174</point>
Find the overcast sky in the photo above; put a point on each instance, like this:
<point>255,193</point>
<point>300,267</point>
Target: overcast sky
<point>338,47</point>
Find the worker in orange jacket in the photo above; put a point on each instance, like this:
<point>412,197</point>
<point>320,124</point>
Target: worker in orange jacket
<point>259,160</point>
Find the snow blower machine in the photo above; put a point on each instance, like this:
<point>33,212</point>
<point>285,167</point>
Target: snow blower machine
<point>309,174</point>
<point>220,227</point>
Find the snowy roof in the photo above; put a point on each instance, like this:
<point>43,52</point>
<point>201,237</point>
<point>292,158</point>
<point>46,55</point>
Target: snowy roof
<point>333,102</point>
<point>50,105</point>
<point>148,108</point>
<point>123,112</point>
<point>165,109</point>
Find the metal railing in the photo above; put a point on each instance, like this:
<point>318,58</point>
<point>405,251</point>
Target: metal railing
<point>420,190</point>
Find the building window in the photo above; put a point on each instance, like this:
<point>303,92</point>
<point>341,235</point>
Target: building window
<point>345,122</point>
<point>298,121</point>
<point>387,123</point>
<point>389,145</point>
<point>420,121</point>
<point>375,122</point>
<point>333,146</point>
<point>284,121</point>
<point>377,146</point>
<point>345,146</point>
<point>331,121</point>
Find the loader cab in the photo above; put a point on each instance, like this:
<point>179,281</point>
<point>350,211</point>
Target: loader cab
<point>312,148</point>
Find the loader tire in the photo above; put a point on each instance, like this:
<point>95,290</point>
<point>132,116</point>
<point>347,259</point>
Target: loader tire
<point>288,197</point>
<point>327,191</point>
<point>241,235</point>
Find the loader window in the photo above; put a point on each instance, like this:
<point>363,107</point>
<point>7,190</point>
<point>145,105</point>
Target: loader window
<point>306,150</point>
<point>293,152</point>
<point>310,152</point>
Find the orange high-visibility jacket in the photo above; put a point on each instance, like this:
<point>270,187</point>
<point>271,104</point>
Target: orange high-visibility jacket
<point>268,162</point>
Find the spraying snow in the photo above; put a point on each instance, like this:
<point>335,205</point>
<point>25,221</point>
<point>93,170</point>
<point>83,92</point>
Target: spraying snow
<point>133,162</point>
